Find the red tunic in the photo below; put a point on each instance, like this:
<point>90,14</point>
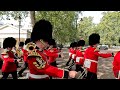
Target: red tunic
<point>25,55</point>
<point>116,65</point>
<point>79,57</point>
<point>72,53</point>
<point>91,58</point>
<point>47,69</point>
<point>52,54</point>
<point>9,64</point>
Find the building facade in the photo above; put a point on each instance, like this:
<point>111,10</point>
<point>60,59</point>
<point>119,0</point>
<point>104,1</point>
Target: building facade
<point>12,31</point>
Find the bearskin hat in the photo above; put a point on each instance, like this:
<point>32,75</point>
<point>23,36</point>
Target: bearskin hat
<point>21,44</point>
<point>9,42</point>
<point>27,41</point>
<point>74,44</point>
<point>94,39</point>
<point>52,42</point>
<point>42,30</point>
<point>80,43</point>
<point>71,45</point>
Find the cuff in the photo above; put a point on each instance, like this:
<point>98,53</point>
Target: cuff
<point>66,74</point>
<point>59,55</point>
<point>112,54</point>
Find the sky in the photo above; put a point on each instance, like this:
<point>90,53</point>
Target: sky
<point>96,14</point>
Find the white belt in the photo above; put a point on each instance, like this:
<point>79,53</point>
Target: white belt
<point>78,59</point>
<point>73,56</point>
<point>37,76</point>
<point>92,60</point>
<point>70,54</point>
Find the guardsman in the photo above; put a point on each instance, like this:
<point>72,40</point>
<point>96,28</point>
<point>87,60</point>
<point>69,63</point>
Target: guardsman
<point>25,55</point>
<point>9,61</point>
<point>20,50</point>
<point>116,65</point>
<point>72,53</point>
<point>91,56</point>
<point>37,60</point>
<point>52,52</point>
<point>80,55</point>
<point>1,60</point>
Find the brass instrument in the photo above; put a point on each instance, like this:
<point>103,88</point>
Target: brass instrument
<point>19,53</point>
<point>31,48</point>
<point>81,75</point>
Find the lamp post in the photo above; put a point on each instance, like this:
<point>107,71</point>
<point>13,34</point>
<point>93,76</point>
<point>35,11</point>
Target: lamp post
<point>19,27</point>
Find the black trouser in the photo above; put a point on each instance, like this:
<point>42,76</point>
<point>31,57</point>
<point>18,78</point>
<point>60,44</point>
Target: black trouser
<point>5,75</point>
<point>79,68</point>
<point>25,65</point>
<point>91,75</point>
<point>68,62</point>
<point>70,67</point>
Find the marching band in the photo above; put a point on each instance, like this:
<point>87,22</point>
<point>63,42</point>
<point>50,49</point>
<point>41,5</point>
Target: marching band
<point>39,53</point>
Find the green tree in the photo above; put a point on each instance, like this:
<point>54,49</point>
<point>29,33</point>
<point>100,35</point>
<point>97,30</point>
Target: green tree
<point>109,28</point>
<point>64,24</point>
<point>13,14</point>
<point>85,28</point>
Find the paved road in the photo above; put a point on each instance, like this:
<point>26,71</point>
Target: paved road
<point>104,66</point>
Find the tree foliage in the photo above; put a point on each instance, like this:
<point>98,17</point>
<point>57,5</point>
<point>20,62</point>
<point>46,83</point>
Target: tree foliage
<point>13,14</point>
<point>85,28</point>
<point>108,28</point>
<point>64,24</point>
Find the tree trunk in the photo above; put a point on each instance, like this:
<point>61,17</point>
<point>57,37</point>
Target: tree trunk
<point>32,16</point>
